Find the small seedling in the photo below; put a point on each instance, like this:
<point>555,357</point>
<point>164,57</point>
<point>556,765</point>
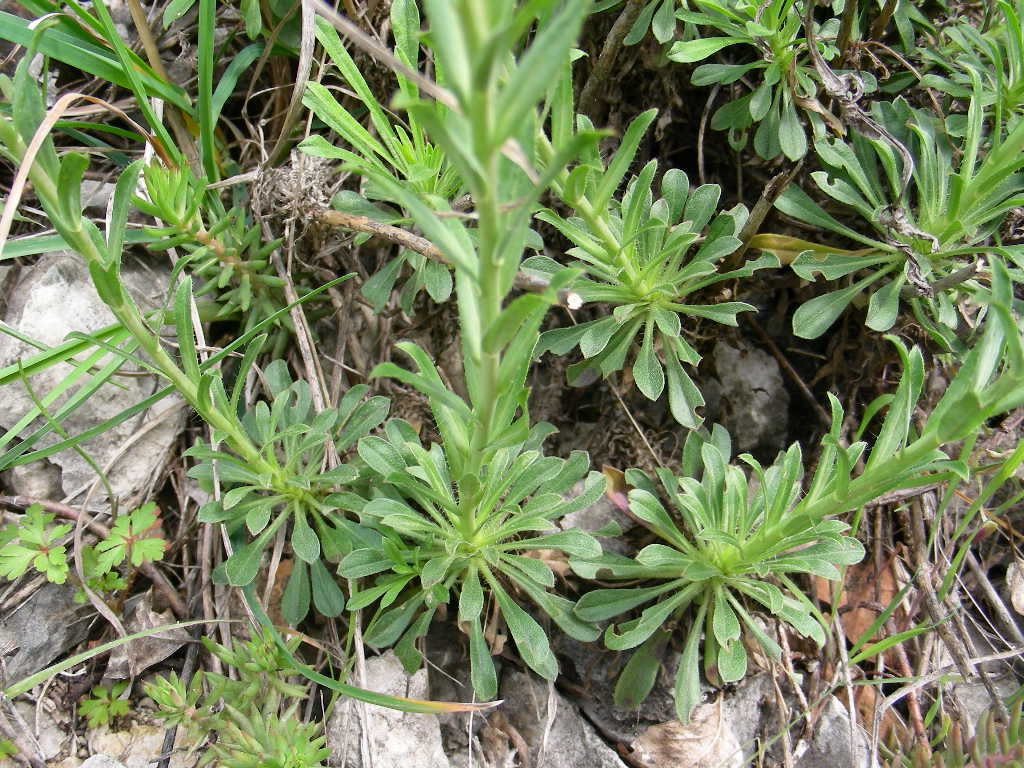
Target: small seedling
<point>104,704</point>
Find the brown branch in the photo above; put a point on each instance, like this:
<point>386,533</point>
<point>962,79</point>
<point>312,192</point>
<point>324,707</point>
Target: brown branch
<point>772,191</point>
<point>149,570</point>
<point>591,96</point>
<point>524,282</point>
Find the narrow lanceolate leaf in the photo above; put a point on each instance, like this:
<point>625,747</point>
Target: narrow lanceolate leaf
<point>816,316</point>
<point>650,620</point>
<point>638,676</point>
<point>687,688</point>
<point>647,372</point>
<point>697,50</point>
<point>602,604</point>
<point>381,700</point>
<point>529,637</point>
<point>482,673</point>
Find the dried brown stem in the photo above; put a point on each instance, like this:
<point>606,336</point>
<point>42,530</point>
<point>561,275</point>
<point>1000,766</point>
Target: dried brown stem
<point>523,282</point>
<point>590,97</point>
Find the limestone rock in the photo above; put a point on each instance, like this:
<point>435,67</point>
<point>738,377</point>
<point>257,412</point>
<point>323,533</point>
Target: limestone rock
<point>392,739</point>
<point>51,300</point>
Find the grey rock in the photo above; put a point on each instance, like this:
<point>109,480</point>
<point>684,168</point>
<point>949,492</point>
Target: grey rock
<point>46,730</point>
<point>596,670</point>
<point>38,480</point>
<point>974,697</point>
<point>831,745</point>
<point>52,299</point>
<point>102,761</point>
<point>392,739</point>
<point>743,710</point>
<point>46,624</point>
<point>96,195</point>
<point>754,403</point>
<point>552,728</point>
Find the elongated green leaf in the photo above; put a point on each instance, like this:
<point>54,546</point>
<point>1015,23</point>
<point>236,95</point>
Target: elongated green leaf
<point>537,71</point>
<point>623,158</point>
<point>86,56</point>
<point>327,595</point>
<point>603,604</point>
<point>647,371</point>
<point>482,673</point>
<point>382,700</point>
<point>640,673</point>
<point>295,600</point>
<point>650,621</point>
<point>531,642</point>
<point>687,687</point>
<point>814,317</point>
<point>687,52</point>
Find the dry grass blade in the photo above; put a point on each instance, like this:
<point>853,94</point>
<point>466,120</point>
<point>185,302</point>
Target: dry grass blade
<point>52,116</point>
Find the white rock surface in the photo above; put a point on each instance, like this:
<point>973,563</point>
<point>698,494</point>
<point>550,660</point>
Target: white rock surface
<point>52,299</point>
<point>832,745</point>
<point>392,739</point>
<point>138,746</point>
<point>102,761</point>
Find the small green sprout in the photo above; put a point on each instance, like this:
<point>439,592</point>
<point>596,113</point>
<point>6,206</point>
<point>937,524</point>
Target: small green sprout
<point>104,704</point>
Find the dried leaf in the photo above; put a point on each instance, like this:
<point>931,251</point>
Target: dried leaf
<point>133,658</point>
<point>617,489</point>
<point>1015,584</point>
<point>863,588</point>
<point>706,742</point>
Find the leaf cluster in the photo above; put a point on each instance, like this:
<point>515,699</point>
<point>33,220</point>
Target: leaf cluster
<point>644,257</point>
<point>786,80</point>
<point>258,723</point>
<point>926,234</point>
<point>426,553</point>
<point>34,542</point>
<point>293,442</point>
<point>104,704</point>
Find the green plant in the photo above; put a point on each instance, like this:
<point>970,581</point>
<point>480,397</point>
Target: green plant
<point>645,257</point>
<point>730,533</point>
<point>104,704</point>
<point>658,16</point>
<point>787,78</point>
<point>402,151</point>
<point>426,548</point>
<point>227,254</point>
<point>446,522</point>
<point>293,441</point>
<point>929,235</point>
<point>285,484</point>
<point>258,724</point>
<point>993,744</point>
<point>32,543</point>
<point>995,57</point>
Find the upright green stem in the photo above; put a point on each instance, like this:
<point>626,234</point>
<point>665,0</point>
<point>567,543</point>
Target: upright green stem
<point>489,232</point>
<point>860,491</point>
<point>128,313</point>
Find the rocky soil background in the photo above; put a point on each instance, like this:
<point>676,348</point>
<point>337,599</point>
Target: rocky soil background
<point>759,380</point>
